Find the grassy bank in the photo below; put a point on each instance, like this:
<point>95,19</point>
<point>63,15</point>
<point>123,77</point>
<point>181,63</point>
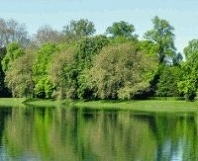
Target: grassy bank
<point>168,105</point>
<point>42,102</point>
<point>12,102</point>
<point>145,105</point>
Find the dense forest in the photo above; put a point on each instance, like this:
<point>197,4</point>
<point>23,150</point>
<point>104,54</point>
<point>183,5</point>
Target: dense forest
<point>76,63</point>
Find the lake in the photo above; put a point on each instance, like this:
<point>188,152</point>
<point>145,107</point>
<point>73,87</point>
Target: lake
<point>71,134</point>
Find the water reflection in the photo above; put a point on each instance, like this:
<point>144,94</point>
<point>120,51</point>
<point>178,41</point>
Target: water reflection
<point>61,134</point>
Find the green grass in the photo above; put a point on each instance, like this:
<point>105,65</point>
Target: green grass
<point>145,105</point>
<point>42,102</point>
<point>169,105</point>
<point>12,102</point>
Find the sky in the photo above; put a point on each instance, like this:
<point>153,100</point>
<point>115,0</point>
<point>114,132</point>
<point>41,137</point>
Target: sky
<point>181,14</point>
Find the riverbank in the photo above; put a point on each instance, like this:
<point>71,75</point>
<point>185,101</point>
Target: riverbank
<point>163,105</point>
<point>12,102</point>
<point>143,105</point>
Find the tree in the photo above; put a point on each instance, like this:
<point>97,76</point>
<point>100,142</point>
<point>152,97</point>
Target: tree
<point>189,77</point>
<point>78,29</point>
<point>43,85</point>
<point>121,29</point>
<point>120,71</point>
<point>46,34</point>
<point>64,73</point>
<point>13,51</point>
<point>87,49</point>
<point>162,35</point>
<point>69,66</point>
<point>167,85</point>
<point>12,31</point>
<point>19,76</point>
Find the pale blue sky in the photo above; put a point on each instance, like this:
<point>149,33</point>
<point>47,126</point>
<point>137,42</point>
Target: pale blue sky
<point>182,14</point>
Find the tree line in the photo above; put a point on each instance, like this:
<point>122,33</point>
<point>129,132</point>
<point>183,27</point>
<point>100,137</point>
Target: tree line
<point>78,64</point>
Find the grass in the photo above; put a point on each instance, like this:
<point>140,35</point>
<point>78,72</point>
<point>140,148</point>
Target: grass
<point>169,105</point>
<point>42,102</point>
<point>12,102</point>
<point>144,105</point>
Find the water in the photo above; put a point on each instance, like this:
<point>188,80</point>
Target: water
<point>62,134</point>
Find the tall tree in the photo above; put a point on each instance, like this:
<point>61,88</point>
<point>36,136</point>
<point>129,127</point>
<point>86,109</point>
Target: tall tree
<point>163,36</point>
<point>43,85</point>
<point>121,29</point>
<point>12,31</point>
<point>87,49</point>
<point>78,29</point>
<point>189,77</point>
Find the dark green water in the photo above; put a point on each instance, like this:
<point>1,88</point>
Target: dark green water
<point>60,134</point>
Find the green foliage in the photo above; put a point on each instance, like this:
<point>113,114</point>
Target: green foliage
<point>86,50</point>
<point>167,85</point>
<point>68,72</point>
<point>121,29</point>
<point>64,73</point>
<point>120,72</point>
<point>43,85</point>
<point>189,80</point>
<point>14,51</point>
<point>148,47</point>
<point>79,29</point>
<point>83,66</point>
<point>162,35</point>
<point>19,76</point>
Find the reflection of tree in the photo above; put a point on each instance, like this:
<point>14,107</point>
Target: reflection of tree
<point>4,113</point>
<point>82,134</point>
<point>65,134</point>
<point>175,136</point>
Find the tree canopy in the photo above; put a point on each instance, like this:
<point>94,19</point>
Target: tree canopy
<point>121,72</point>
<point>78,29</point>
<point>77,63</point>
<point>189,78</point>
<point>121,29</point>
<point>162,35</point>
<point>43,86</point>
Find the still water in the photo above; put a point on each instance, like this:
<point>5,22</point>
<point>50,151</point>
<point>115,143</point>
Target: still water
<point>62,134</point>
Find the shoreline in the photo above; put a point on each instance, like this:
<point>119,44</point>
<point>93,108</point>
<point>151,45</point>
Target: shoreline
<point>153,105</point>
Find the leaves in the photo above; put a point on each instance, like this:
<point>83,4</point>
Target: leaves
<point>119,69</point>
<point>121,29</point>
<point>19,79</point>
<point>79,29</point>
<point>43,85</point>
<point>189,80</point>
<point>14,51</point>
<point>162,35</point>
